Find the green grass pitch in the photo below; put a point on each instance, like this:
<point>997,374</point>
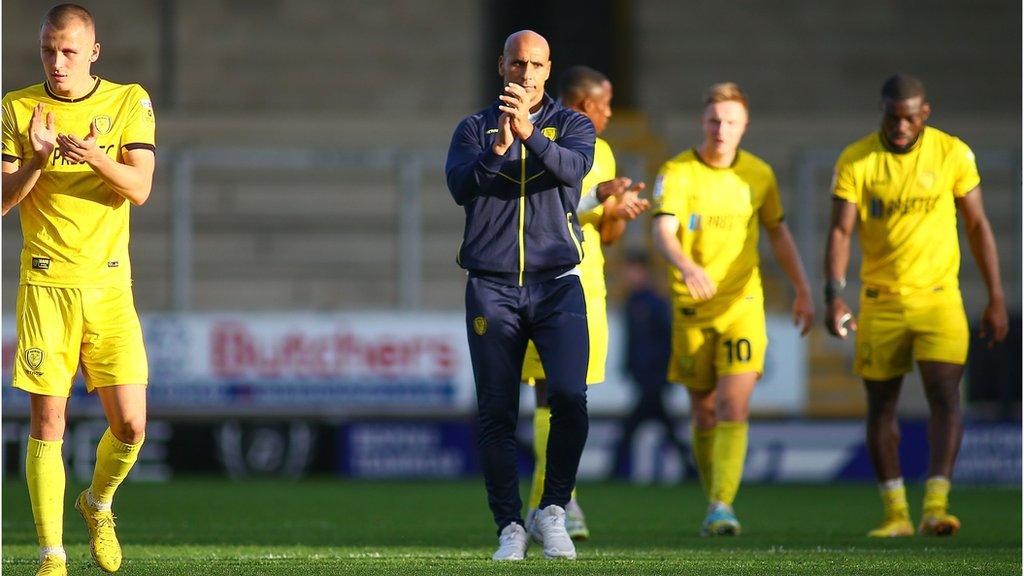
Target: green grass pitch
<point>325,526</point>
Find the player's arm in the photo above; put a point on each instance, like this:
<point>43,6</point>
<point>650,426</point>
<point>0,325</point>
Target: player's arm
<point>788,258</point>
<point>19,175</point>
<point>697,282</point>
<point>837,259</point>
<point>132,179</point>
<point>994,321</point>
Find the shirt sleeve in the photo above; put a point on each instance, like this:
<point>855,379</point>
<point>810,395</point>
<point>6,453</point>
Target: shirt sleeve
<point>140,126</point>
<point>12,151</point>
<point>669,195</point>
<point>966,178</point>
<point>844,179</point>
<point>770,211</point>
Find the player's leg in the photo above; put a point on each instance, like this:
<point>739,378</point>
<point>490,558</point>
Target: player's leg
<point>739,362</point>
<point>559,329</point>
<point>945,430</point>
<point>49,328</point>
<point>692,364</point>
<point>884,354</point>
<point>941,350</point>
<point>883,441</point>
<point>45,475</point>
<point>115,366</point>
<point>732,411</point>
<point>116,454</point>
<point>497,344</point>
<point>702,434</point>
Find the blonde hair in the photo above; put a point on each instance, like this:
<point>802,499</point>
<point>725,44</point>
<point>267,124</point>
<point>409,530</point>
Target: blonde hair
<point>725,92</point>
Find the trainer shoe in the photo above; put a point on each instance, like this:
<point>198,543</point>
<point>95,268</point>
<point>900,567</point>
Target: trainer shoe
<point>53,565</point>
<point>894,527</point>
<point>106,551</point>
<point>720,521</point>
<point>939,524</point>
<point>575,521</point>
<point>554,538</point>
<point>512,543</point>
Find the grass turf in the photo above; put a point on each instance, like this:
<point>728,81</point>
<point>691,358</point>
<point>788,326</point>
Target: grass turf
<point>330,526</point>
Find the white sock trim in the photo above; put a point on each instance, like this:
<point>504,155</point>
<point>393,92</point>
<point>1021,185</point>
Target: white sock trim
<point>53,551</point>
<point>890,485</point>
<point>940,478</point>
<point>96,504</point>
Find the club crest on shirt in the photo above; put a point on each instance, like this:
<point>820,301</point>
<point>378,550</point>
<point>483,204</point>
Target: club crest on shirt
<point>34,358</point>
<point>550,132</point>
<point>103,124</point>
<point>480,325</point>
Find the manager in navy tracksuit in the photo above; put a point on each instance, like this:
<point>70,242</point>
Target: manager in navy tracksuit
<point>516,168</point>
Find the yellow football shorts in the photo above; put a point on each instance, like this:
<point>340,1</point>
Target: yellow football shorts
<point>60,327</point>
<point>597,328</point>
<point>703,350</point>
<point>895,329</point>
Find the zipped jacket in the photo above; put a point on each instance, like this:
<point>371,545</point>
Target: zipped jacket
<point>521,222</point>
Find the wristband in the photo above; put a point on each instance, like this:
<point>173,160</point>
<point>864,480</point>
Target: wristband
<point>834,288</point>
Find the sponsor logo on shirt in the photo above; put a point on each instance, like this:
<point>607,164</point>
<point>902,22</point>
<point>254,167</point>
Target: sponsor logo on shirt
<point>879,208</point>
<point>718,221</point>
<point>40,263</point>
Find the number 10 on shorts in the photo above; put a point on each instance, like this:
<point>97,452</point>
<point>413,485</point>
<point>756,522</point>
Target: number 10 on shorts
<point>737,350</point>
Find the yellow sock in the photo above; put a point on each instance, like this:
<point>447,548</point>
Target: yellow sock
<point>44,472</point>
<point>541,431</point>
<point>894,498</point>
<point>936,495</point>
<point>727,455</point>
<point>114,459</point>
<point>703,441</point>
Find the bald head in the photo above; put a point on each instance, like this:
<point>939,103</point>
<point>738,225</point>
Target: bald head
<point>526,61</point>
<point>527,39</point>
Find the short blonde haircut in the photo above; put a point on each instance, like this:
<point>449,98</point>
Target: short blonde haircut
<point>725,92</point>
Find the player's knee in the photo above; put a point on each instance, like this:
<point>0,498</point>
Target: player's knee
<point>130,429</point>
<point>49,427</point>
<point>946,401</point>
<point>732,409</point>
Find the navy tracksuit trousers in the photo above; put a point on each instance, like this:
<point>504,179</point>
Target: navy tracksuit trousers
<point>500,319</point>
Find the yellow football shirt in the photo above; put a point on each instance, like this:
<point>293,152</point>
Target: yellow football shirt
<point>719,210</point>
<point>75,227</point>
<point>592,266</point>
<point>906,207</point>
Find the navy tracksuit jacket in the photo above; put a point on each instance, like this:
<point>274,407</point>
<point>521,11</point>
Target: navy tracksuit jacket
<point>522,236</point>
